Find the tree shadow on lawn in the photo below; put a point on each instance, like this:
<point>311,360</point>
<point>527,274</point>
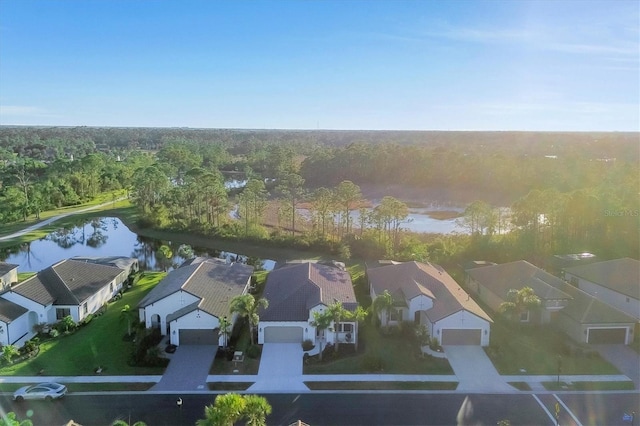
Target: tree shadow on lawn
<point>516,349</point>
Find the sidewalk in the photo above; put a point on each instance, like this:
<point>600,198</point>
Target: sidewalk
<point>534,381</point>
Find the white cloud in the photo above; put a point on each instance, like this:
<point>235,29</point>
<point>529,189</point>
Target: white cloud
<point>16,110</point>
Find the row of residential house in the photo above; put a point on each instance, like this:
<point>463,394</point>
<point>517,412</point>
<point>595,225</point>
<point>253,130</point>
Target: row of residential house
<point>599,304</point>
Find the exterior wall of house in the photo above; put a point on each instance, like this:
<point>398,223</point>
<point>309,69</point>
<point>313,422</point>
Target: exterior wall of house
<point>418,303</point>
<point>101,297</point>
<point>579,332</point>
<point>463,320</point>
<point>198,320</point>
<point>487,296</point>
<point>165,307</point>
<point>7,279</point>
<point>626,304</point>
<point>16,332</point>
<point>308,331</point>
<point>44,313</point>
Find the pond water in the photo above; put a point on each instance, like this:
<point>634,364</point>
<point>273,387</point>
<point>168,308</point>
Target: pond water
<point>109,237</point>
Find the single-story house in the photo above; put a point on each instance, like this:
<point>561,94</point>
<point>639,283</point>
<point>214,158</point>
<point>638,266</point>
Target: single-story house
<point>189,303</point>
<point>69,287</point>
<point>426,294</point>
<point>491,283</point>
<point>130,265</point>
<point>581,316</point>
<point>295,291</point>
<point>8,275</point>
<point>615,282</point>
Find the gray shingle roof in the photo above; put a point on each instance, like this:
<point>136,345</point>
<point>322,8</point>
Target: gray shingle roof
<point>582,307</point>
<point>295,288</point>
<point>6,267</point>
<point>69,282</point>
<point>213,281</point>
<point>9,311</point>
<point>621,275</point>
<point>516,275</point>
<point>415,278</point>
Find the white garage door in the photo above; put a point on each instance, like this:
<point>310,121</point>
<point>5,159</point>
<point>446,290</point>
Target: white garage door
<point>283,335</point>
<point>461,337</point>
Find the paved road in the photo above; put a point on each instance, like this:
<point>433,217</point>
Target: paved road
<point>330,408</point>
<point>54,218</point>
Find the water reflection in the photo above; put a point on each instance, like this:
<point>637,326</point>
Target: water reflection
<point>110,237</point>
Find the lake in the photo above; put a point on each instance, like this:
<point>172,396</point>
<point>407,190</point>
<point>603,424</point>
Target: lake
<point>109,237</point>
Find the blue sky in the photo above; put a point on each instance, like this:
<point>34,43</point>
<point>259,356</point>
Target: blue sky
<point>360,64</point>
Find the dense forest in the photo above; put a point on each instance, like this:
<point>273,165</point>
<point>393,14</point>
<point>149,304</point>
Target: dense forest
<point>566,191</point>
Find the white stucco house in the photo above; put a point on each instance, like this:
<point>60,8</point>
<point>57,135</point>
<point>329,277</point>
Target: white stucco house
<point>189,303</point>
<point>8,275</point>
<point>426,294</point>
<point>614,282</point>
<point>295,291</point>
<point>69,287</point>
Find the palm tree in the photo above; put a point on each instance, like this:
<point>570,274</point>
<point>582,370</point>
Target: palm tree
<point>128,315</point>
<point>336,312</point>
<point>519,301</point>
<point>383,303</point>
<point>225,411</point>
<point>356,316</point>
<point>225,330</point>
<point>247,306</point>
<point>256,410</point>
<point>321,321</point>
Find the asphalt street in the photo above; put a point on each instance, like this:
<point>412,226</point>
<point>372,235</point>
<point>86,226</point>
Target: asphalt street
<point>333,409</point>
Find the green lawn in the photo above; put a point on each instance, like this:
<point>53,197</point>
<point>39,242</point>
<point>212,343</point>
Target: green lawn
<point>99,343</point>
<point>589,386</point>
<point>382,385</point>
<point>395,353</point>
<point>536,350</point>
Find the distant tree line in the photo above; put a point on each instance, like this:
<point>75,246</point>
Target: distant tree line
<point>565,191</point>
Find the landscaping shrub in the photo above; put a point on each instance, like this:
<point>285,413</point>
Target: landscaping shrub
<point>307,345</point>
<point>53,333</point>
<point>254,351</point>
<point>146,340</point>
<point>86,320</point>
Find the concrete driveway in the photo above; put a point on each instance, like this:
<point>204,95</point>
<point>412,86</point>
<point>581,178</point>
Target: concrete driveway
<point>188,369</point>
<point>280,368</point>
<point>623,358</point>
<point>474,369</point>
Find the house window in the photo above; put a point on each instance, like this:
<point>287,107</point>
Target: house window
<point>628,300</point>
<point>395,314</point>
<point>524,316</point>
<point>62,312</point>
<point>111,287</point>
<point>85,308</point>
<point>346,328</point>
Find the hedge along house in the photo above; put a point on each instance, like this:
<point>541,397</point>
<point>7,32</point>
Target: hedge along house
<point>295,291</point>
<point>426,294</point>
<point>69,287</point>
<point>189,303</point>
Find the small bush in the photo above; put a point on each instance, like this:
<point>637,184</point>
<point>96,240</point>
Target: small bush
<point>254,351</point>
<point>54,333</point>
<point>307,345</point>
<point>87,319</point>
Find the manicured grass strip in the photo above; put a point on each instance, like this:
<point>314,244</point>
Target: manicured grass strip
<point>87,387</point>
<point>229,386</point>
<point>382,385</point>
<point>523,386</point>
<point>589,386</point>
<point>99,343</point>
<point>379,353</point>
